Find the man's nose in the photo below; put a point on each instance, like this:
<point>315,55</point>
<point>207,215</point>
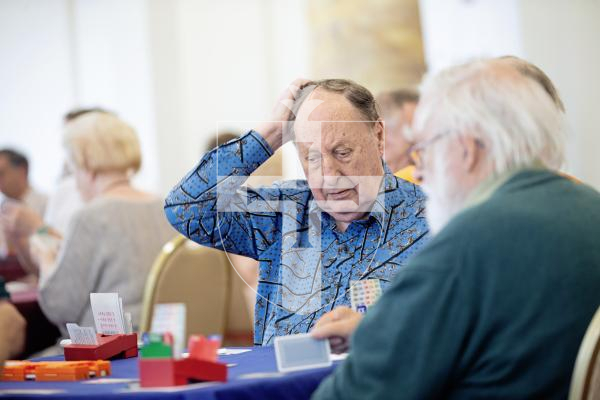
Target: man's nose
<point>330,169</point>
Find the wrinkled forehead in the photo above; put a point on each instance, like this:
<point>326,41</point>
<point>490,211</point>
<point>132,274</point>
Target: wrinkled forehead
<point>334,135</point>
<point>326,118</point>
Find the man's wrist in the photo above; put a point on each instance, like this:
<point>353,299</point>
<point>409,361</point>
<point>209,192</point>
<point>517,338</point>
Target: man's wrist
<point>271,132</point>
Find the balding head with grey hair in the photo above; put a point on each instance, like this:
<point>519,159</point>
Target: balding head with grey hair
<point>339,138</point>
<point>479,120</point>
<point>534,72</point>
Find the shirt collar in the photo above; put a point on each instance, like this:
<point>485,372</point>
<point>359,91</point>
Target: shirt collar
<point>488,187</point>
<point>386,198</point>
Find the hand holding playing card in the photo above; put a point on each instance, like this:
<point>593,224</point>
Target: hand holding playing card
<point>44,247</point>
<point>337,326</point>
<point>18,220</point>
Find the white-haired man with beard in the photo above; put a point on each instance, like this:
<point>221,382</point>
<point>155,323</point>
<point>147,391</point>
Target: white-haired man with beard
<point>497,303</point>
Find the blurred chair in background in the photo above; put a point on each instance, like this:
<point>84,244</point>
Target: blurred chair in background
<point>585,383</point>
<point>202,279</point>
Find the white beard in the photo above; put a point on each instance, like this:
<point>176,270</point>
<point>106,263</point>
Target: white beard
<point>445,198</point>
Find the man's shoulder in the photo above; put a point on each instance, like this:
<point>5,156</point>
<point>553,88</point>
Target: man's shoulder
<point>524,212</point>
<point>407,189</point>
<point>530,198</point>
<point>466,234</point>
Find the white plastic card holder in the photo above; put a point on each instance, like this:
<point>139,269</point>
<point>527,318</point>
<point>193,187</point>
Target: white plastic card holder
<point>301,352</point>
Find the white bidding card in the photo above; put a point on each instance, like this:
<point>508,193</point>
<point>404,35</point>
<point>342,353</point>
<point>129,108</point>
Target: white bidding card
<point>170,317</point>
<point>108,313</point>
<point>302,351</point>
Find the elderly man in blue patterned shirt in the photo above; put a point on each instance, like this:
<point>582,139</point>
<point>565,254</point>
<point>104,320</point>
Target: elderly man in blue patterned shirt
<point>350,220</point>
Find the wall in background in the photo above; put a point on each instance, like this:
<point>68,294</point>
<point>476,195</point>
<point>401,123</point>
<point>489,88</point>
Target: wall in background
<point>174,69</point>
<point>110,49</point>
<point>178,69</point>
<point>560,37</point>
<point>377,44</point>
<point>563,40</point>
<point>36,82</point>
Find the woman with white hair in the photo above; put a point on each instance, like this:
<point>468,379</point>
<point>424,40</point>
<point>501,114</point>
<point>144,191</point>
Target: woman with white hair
<point>110,244</point>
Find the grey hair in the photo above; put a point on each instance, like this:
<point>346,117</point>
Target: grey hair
<point>359,96</point>
<point>510,113</point>
<point>396,99</point>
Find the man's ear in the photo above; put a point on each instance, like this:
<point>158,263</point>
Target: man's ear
<point>380,136</point>
<point>24,173</point>
<point>472,152</point>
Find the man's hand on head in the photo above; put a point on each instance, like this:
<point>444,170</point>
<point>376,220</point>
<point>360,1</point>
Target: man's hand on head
<point>337,326</point>
<point>276,131</point>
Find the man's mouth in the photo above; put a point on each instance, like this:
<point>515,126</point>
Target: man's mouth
<point>340,194</point>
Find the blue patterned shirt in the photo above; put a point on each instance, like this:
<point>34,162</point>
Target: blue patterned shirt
<point>306,264</point>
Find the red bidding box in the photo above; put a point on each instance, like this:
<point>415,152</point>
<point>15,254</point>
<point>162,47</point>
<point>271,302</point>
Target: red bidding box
<point>156,372</point>
<point>201,348</point>
<point>109,347</point>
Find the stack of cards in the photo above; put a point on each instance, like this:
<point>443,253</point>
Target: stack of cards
<point>302,351</point>
<point>364,294</point>
<point>109,319</point>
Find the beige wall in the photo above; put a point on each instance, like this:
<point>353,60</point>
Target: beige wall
<point>377,44</point>
<point>177,70</point>
<point>559,36</point>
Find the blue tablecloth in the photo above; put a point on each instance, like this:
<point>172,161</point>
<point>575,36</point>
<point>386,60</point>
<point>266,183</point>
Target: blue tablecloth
<point>240,385</point>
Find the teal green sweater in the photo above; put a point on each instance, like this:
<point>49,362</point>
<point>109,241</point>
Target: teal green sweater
<point>494,307</point>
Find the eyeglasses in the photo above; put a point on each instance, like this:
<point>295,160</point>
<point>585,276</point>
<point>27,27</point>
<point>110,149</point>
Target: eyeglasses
<point>416,151</point>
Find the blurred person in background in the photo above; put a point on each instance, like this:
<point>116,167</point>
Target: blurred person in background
<point>14,181</point>
<point>111,242</point>
<point>397,109</point>
<point>21,221</point>
<point>66,200</point>
<point>15,190</point>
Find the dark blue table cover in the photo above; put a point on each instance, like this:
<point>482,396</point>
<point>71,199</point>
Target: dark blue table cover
<point>295,385</point>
